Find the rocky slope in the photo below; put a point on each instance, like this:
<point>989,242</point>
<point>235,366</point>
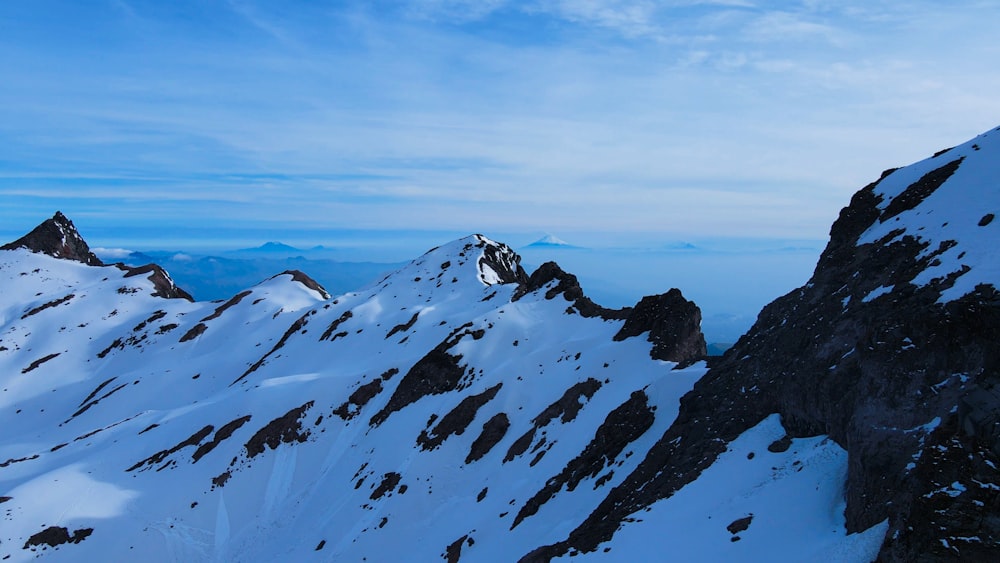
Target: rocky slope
<point>890,349</point>
<point>456,408</point>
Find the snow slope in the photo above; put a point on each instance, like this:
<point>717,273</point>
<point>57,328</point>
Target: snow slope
<point>431,415</point>
<point>947,203</point>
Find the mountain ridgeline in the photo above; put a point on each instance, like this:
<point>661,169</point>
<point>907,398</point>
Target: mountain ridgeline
<point>460,409</point>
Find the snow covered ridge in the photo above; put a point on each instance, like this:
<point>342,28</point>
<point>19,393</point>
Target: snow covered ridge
<point>430,416</point>
<point>948,203</point>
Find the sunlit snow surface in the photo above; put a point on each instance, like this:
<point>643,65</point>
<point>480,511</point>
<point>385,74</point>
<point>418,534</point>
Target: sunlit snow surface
<point>953,212</point>
<point>99,383</point>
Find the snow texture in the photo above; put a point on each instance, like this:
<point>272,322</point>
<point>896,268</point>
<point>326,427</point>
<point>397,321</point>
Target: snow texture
<point>956,217</point>
<point>282,426</point>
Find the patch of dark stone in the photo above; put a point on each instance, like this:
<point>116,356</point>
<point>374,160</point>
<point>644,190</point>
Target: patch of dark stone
<point>919,190</point>
<point>162,284</point>
<point>159,456</point>
<point>457,420</point>
<point>220,480</point>
<point>404,326</point>
<point>221,434</point>
<point>287,429</point>
<point>152,318</point>
<point>5,499</point>
<point>335,324</point>
<point>57,535</point>
<point>436,373</point>
<point>359,398</point>
<point>569,288</point>
<point>502,260</point>
<point>566,408</point>
<point>233,301</point>
<point>12,461</point>
<point>148,428</point>
<point>740,524</point>
<point>196,331</point>
<point>320,545</point>
<point>673,324</point>
<point>780,445</point>
<point>623,425</point>
<point>296,326</point>
<point>48,305</point>
<point>986,220</point>
<point>453,553</point>
<point>494,430</point>
<point>388,484</point>
<point>93,402</point>
<point>302,278</point>
<point>166,328</point>
<point>34,365</point>
<point>116,344</point>
<point>96,391</point>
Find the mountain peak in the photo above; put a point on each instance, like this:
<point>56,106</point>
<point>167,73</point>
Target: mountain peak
<point>59,238</point>
<point>495,262</point>
<point>550,240</point>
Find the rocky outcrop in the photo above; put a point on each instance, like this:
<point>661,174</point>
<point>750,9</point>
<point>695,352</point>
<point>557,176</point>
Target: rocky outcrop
<point>566,284</point>
<point>871,353</point>
<point>163,285</point>
<point>673,324</point>
<point>57,237</point>
<point>305,280</point>
<point>499,263</point>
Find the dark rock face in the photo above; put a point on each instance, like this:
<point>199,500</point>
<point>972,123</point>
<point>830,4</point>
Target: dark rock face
<point>622,426</point>
<point>502,260</point>
<point>57,535</point>
<point>673,324</point>
<point>457,420</point>
<point>494,430</point>
<point>162,283</point>
<point>302,278</point>
<point>59,238</point>
<point>569,288</point>
<point>436,373</point>
<point>285,429</point>
<point>910,387</point>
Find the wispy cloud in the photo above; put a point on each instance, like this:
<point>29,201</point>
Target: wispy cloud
<point>689,116</point>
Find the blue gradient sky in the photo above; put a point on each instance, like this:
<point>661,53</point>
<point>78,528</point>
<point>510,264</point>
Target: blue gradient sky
<point>598,120</point>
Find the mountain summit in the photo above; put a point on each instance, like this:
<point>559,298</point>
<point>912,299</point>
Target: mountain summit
<point>59,238</point>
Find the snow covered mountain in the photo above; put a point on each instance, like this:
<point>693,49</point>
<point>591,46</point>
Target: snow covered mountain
<point>550,241</point>
<point>460,409</point>
<point>890,349</point>
<point>457,408</point>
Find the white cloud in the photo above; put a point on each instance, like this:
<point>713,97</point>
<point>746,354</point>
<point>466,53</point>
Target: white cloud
<point>111,253</point>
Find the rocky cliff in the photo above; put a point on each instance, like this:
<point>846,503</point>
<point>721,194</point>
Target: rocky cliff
<point>890,349</point>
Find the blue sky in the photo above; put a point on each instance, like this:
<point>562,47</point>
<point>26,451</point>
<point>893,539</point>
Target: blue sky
<point>597,120</point>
